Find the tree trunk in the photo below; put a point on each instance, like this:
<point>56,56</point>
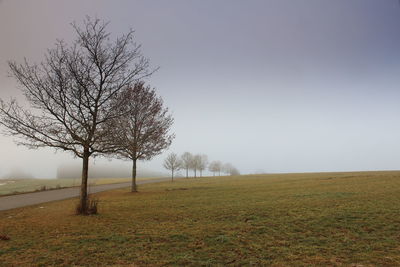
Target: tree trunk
<point>85,171</point>
<point>172,175</point>
<point>195,173</point>
<point>134,186</point>
<point>187,173</point>
<point>201,173</point>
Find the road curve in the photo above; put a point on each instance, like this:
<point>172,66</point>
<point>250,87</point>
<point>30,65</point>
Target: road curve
<point>28,199</point>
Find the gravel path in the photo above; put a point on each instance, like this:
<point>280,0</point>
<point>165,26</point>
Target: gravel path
<point>22,200</point>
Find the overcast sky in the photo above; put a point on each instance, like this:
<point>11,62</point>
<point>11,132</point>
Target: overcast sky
<point>268,85</point>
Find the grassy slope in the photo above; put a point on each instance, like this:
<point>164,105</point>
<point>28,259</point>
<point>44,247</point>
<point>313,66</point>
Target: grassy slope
<point>29,185</point>
<point>295,219</point>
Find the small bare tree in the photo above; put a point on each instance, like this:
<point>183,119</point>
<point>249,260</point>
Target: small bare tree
<point>195,164</point>
<point>144,131</point>
<point>203,162</point>
<point>230,169</point>
<point>172,163</point>
<point>215,167</point>
<point>234,171</point>
<point>226,168</point>
<point>72,94</point>
<point>186,160</point>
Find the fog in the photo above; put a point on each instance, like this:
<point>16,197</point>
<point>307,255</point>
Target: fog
<point>103,170</point>
<point>17,173</point>
<point>267,85</point>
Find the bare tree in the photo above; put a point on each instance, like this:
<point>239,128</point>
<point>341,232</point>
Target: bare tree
<point>186,159</point>
<point>230,169</point>
<point>195,164</point>
<point>144,131</point>
<point>215,167</point>
<point>203,162</point>
<point>234,171</point>
<point>226,167</point>
<point>71,94</point>
<point>172,163</point>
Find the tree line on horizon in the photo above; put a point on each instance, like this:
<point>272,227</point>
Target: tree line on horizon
<point>197,162</point>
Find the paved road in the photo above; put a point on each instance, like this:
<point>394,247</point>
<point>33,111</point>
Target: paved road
<point>22,200</point>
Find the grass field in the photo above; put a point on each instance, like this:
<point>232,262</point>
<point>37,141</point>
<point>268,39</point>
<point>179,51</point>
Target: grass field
<point>325,219</point>
<point>15,186</point>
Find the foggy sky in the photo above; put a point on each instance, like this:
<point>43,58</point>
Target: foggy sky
<point>267,85</point>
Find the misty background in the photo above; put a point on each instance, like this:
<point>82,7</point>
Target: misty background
<point>267,85</point>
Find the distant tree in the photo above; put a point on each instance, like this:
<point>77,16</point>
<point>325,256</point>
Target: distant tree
<point>226,167</point>
<point>186,159</point>
<point>71,94</point>
<point>215,167</point>
<point>234,171</point>
<point>144,131</point>
<point>230,169</point>
<point>172,163</point>
<point>211,168</point>
<point>195,164</point>
<point>203,162</point>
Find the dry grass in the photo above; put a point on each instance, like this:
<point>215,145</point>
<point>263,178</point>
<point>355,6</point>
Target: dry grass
<point>327,219</point>
<point>17,186</point>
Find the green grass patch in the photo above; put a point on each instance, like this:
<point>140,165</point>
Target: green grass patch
<point>320,219</point>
